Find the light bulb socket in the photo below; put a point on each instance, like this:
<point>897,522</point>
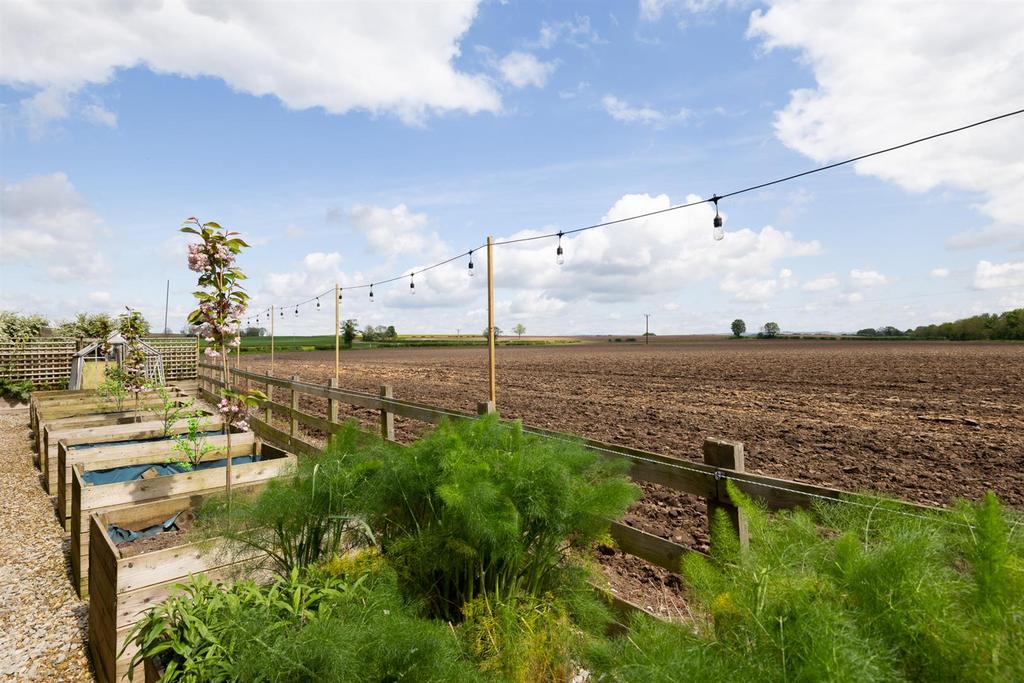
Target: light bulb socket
<point>718,221</point>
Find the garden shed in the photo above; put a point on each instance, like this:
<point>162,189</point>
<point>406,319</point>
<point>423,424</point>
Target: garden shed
<point>89,364</point>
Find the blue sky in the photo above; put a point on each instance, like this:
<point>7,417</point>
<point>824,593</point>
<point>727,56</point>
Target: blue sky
<point>353,142</point>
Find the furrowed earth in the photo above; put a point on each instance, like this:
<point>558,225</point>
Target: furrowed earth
<point>925,422</point>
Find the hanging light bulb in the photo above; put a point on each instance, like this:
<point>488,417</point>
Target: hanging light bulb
<point>282,312</point>
<point>339,294</point>
<point>559,253</point>
<point>471,273</point>
<point>719,232</point>
<point>318,303</point>
<point>412,284</point>
<point>296,310</point>
<point>371,292</point>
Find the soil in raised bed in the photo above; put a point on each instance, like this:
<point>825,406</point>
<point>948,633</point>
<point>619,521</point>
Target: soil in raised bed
<point>164,539</point>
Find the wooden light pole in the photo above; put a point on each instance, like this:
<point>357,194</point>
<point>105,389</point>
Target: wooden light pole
<point>337,330</point>
<point>647,328</point>
<point>493,382</point>
<point>271,339</point>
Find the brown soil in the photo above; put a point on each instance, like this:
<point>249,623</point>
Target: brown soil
<point>165,539</point>
<point>928,422</point>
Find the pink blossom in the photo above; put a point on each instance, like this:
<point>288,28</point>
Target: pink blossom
<point>211,353</point>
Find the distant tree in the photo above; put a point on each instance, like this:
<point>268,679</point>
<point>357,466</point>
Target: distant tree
<point>497,332</point>
<point>1008,325</point>
<point>889,331</point>
<point>867,332</point>
<point>738,327</point>
<point>519,329</point>
<point>254,332</point>
<point>369,333</point>
<point>17,327</point>
<point>770,330</point>
<point>348,332</point>
<point>390,333</point>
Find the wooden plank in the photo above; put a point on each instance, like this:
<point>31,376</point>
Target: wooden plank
<point>654,549</point>
<point>281,439</point>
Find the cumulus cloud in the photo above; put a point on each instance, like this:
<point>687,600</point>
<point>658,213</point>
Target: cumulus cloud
<point>99,114</point>
<point>620,110</point>
<point>392,231</point>
<point>892,71</point>
<point>821,284</point>
<point>46,222</point>
<point>378,57</point>
<point>319,261</point>
<point>989,275</point>
<point>577,32</point>
<point>939,272</point>
<point>652,10</point>
<point>521,69</point>
<point>867,278</point>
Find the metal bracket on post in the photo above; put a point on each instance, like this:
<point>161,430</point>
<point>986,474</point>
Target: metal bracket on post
<point>727,455</point>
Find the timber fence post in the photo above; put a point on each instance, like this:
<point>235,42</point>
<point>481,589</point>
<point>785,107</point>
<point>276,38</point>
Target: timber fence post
<point>268,413</point>
<point>293,428</point>
<point>387,420</point>
<point>332,404</point>
<point>485,408</point>
<point>726,455</point>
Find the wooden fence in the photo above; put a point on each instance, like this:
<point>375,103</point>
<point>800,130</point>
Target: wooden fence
<point>723,459</point>
<point>47,362</point>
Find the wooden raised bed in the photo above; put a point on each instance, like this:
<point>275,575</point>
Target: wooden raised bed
<point>88,499</point>
<point>121,588</point>
<point>120,454</point>
<point>45,446</point>
<point>132,431</point>
<point>88,403</point>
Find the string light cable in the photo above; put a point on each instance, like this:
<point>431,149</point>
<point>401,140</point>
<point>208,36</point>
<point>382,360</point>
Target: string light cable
<point>713,199</point>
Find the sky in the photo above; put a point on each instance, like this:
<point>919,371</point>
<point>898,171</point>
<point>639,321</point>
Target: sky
<point>353,142</point>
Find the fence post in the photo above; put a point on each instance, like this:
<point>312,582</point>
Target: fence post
<point>485,408</point>
<point>726,455</point>
<point>387,420</point>
<point>268,414</point>
<point>332,404</point>
<point>293,429</point>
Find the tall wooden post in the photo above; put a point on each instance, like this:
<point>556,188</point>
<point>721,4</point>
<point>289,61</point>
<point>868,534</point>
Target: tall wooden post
<point>337,332</point>
<point>387,419</point>
<point>726,455</point>
<point>271,339</point>
<point>332,404</point>
<point>293,425</point>
<point>492,380</point>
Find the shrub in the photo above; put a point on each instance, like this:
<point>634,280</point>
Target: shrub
<point>309,518</point>
<point>313,628</point>
<point>18,389</point>
<point>845,593</point>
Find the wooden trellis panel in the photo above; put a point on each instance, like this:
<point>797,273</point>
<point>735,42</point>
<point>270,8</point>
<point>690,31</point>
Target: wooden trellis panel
<point>180,354</point>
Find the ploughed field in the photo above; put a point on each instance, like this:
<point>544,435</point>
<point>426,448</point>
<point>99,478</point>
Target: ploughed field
<point>927,422</point>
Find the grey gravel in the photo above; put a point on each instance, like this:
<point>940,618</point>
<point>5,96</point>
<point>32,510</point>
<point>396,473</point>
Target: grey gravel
<point>43,624</point>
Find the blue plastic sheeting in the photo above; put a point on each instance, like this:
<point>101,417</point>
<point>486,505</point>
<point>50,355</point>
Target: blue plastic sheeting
<point>117,475</point>
<point>85,446</point>
<point>119,534</point>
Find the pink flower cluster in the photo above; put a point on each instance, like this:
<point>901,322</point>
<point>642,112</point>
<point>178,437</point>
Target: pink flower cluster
<point>199,257</point>
<point>234,412</point>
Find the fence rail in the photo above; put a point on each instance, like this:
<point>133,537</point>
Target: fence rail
<point>723,460</point>
<point>47,362</point>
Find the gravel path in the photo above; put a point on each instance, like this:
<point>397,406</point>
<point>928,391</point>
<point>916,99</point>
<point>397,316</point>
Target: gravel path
<point>43,624</point>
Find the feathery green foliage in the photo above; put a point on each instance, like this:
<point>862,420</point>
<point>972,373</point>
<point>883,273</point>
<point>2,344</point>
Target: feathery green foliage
<point>845,593</point>
<point>482,508</point>
<point>308,518</point>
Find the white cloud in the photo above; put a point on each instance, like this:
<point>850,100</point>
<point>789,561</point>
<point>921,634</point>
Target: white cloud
<point>577,32</point>
<point>46,222</point>
<point>99,114</point>
<point>989,275</point>
<point>888,72</point>
<point>620,110</point>
<point>379,57</point>
<point>392,231</point>
<point>854,298</point>
<point>99,297</point>
<point>652,10</point>
<point>821,284</point>
<point>319,261</point>
<point>521,69</point>
<point>867,278</point>
<point>939,272</point>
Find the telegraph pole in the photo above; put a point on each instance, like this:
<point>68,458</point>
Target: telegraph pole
<point>167,303</point>
<point>647,328</point>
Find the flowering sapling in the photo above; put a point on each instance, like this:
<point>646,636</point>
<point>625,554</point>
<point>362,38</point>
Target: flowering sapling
<point>133,361</point>
<point>222,303</point>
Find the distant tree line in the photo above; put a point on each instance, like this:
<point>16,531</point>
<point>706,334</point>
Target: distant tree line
<point>379,333</point>
<point>1008,325</point>
<point>16,326</point>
